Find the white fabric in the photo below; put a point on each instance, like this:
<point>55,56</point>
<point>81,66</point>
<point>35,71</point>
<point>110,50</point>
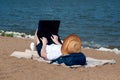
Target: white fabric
<point>32,46</point>
<point>53,51</point>
<point>91,62</point>
<point>21,54</point>
<point>27,54</point>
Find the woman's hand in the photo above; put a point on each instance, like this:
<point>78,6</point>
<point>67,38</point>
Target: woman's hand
<point>55,39</point>
<point>44,41</point>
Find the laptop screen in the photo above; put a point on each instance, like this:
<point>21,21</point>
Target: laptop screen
<point>48,27</point>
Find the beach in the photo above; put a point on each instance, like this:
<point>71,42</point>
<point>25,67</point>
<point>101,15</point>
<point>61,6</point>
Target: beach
<point>12,68</point>
<point>97,23</point>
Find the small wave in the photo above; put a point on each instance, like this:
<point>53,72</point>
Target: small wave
<point>115,50</point>
<point>89,45</point>
<point>92,44</point>
<point>15,34</point>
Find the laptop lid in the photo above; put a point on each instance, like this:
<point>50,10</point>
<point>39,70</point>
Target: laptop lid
<point>48,27</point>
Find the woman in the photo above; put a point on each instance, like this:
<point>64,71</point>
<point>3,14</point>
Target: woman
<point>71,44</point>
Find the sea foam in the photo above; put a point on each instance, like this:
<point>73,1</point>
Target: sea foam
<point>115,50</point>
<point>15,34</point>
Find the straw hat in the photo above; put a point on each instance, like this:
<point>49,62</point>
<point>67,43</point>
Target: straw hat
<point>71,44</point>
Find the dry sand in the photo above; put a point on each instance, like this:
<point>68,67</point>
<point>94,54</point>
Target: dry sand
<point>12,68</point>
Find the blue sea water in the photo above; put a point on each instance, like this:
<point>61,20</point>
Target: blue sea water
<point>97,22</point>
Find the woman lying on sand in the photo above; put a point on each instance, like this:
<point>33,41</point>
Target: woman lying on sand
<point>71,46</point>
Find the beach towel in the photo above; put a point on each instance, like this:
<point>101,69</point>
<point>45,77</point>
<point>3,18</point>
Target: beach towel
<point>91,62</point>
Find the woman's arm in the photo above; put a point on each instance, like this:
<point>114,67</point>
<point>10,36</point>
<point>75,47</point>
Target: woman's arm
<point>43,49</point>
<point>36,40</point>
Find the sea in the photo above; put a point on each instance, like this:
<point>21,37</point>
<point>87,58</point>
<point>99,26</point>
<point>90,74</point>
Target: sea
<point>97,22</point>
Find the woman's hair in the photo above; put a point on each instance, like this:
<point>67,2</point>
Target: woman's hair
<point>71,44</point>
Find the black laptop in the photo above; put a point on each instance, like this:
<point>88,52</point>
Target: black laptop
<point>48,27</point>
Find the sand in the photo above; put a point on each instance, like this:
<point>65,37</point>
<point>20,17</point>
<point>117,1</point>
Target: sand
<point>12,68</point>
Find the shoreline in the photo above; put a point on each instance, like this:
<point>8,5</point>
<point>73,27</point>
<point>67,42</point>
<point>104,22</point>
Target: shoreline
<point>12,68</point>
<point>24,35</point>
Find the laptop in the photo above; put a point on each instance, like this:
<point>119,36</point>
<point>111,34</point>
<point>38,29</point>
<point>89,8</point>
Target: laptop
<point>48,27</point>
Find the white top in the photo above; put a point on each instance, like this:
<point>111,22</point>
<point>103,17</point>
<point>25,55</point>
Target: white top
<point>53,51</point>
